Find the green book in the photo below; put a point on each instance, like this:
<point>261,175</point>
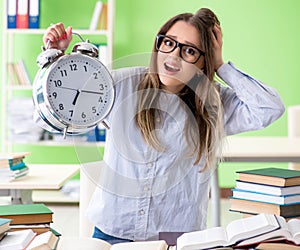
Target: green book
<point>26,213</point>
<point>271,176</point>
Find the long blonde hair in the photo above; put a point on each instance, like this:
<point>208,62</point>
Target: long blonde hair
<point>201,95</point>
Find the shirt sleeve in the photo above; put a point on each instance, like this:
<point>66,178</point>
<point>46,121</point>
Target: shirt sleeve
<point>248,103</point>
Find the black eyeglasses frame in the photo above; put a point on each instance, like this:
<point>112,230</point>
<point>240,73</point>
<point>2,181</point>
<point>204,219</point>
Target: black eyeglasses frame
<point>177,44</point>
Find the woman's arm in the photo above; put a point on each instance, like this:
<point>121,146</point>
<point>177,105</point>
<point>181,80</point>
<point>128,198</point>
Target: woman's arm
<point>248,103</point>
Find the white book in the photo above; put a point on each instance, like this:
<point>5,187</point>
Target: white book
<point>17,240</point>
<point>267,189</point>
<point>96,15</point>
<point>289,231</point>
<point>253,196</point>
<point>44,241</point>
<point>103,54</point>
<point>235,232</point>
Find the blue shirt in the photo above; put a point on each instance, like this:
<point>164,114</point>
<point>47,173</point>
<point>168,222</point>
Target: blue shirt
<point>143,191</point>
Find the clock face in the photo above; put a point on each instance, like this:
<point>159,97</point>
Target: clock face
<point>79,90</point>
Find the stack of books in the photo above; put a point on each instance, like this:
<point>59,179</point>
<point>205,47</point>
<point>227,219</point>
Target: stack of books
<point>36,217</point>
<point>29,240</point>
<point>4,227</point>
<point>12,166</point>
<point>268,190</point>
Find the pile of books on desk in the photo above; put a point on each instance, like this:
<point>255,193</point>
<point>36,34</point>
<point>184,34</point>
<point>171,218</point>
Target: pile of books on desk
<point>12,166</point>
<point>268,190</point>
<point>27,226</point>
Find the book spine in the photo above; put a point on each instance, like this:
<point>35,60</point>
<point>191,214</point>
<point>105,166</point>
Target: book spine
<point>103,54</point>
<point>11,14</point>
<point>34,14</point>
<point>96,15</point>
<point>17,166</point>
<point>22,14</point>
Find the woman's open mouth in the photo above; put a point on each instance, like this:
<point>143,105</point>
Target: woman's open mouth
<point>171,68</point>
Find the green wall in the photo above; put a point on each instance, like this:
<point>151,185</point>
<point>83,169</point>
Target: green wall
<point>260,36</point>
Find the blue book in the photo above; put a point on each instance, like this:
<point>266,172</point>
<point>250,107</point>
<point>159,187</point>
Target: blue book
<point>266,198</point>
<point>4,225</point>
<point>11,14</point>
<point>34,14</point>
<point>18,166</point>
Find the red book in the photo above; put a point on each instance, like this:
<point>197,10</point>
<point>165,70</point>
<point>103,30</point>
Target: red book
<point>22,14</point>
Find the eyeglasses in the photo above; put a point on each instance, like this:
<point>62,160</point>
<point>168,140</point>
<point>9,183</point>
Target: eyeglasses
<point>188,53</point>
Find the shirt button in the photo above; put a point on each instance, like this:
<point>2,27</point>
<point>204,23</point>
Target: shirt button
<point>149,165</point>
<point>141,212</point>
<point>146,188</point>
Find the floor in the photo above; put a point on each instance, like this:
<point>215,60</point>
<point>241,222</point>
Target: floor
<point>66,215</point>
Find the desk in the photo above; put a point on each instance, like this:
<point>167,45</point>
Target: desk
<point>40,176</point>
<point>253,149</point>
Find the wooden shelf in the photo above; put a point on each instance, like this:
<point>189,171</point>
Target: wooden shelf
<point>42,31</point>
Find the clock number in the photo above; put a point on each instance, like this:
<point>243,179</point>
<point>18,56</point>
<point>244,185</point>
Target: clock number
<point>94,110</point>
<point>85,68</point>
<point>61,106</point>
<point>83,115</point>
<point>100,99</point>
<point>73,67</point>
<point>71,113</point>
<point>57,83</point>
<point>63,73</point>
<point>95,75</point>
<point>101,86</point>
<point>54,94</point>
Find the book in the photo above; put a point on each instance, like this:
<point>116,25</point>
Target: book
<point>14,155</point>
<point>34,14</point>
<point>17,240</point>
<point>22,14</point>
<point>267,189</point>
<point>96,15</point>
<point>288,232</point>
<point>235,232</point>
<point>276,246</point>
<point>11,14</point>
<point>22,73</point>
<point>12,74</point>
<point>26,213</point>
<point>104,245</point>
<point>4,225</point>
<point>255,207</point>
<point>37,228</point>
<point>44,241</point>
<point>271,176</point>
<point>253,196</point>
<point>169,237</point>
<point>102,22</point>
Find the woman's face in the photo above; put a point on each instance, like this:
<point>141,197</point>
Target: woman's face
<point>173,71</point>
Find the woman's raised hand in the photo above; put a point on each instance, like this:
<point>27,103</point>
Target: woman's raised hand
<point>59,37</point>
<point>217,43</point>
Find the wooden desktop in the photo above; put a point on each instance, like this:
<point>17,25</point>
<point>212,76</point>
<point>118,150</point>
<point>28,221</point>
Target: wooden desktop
<point>40,176</point>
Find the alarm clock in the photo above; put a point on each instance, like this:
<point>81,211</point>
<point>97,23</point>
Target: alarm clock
<point>72,92</point>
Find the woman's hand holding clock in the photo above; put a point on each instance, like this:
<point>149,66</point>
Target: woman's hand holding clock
<point>59,37</point>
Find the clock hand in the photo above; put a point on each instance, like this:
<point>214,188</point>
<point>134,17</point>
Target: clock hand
<point>75,99</point>
<point>67,88</point>
<point>92,92</point>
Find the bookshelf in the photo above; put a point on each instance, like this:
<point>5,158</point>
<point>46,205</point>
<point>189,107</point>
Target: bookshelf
<point>12,37</point>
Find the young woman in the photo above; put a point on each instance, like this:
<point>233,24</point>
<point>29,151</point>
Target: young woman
<point>167,125</point>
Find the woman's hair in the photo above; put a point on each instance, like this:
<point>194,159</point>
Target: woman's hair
<point>204,127</point>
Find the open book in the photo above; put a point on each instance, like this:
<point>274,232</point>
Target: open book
<point>288,231</point>
<point>235,232</point>
<point>103,245</point>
